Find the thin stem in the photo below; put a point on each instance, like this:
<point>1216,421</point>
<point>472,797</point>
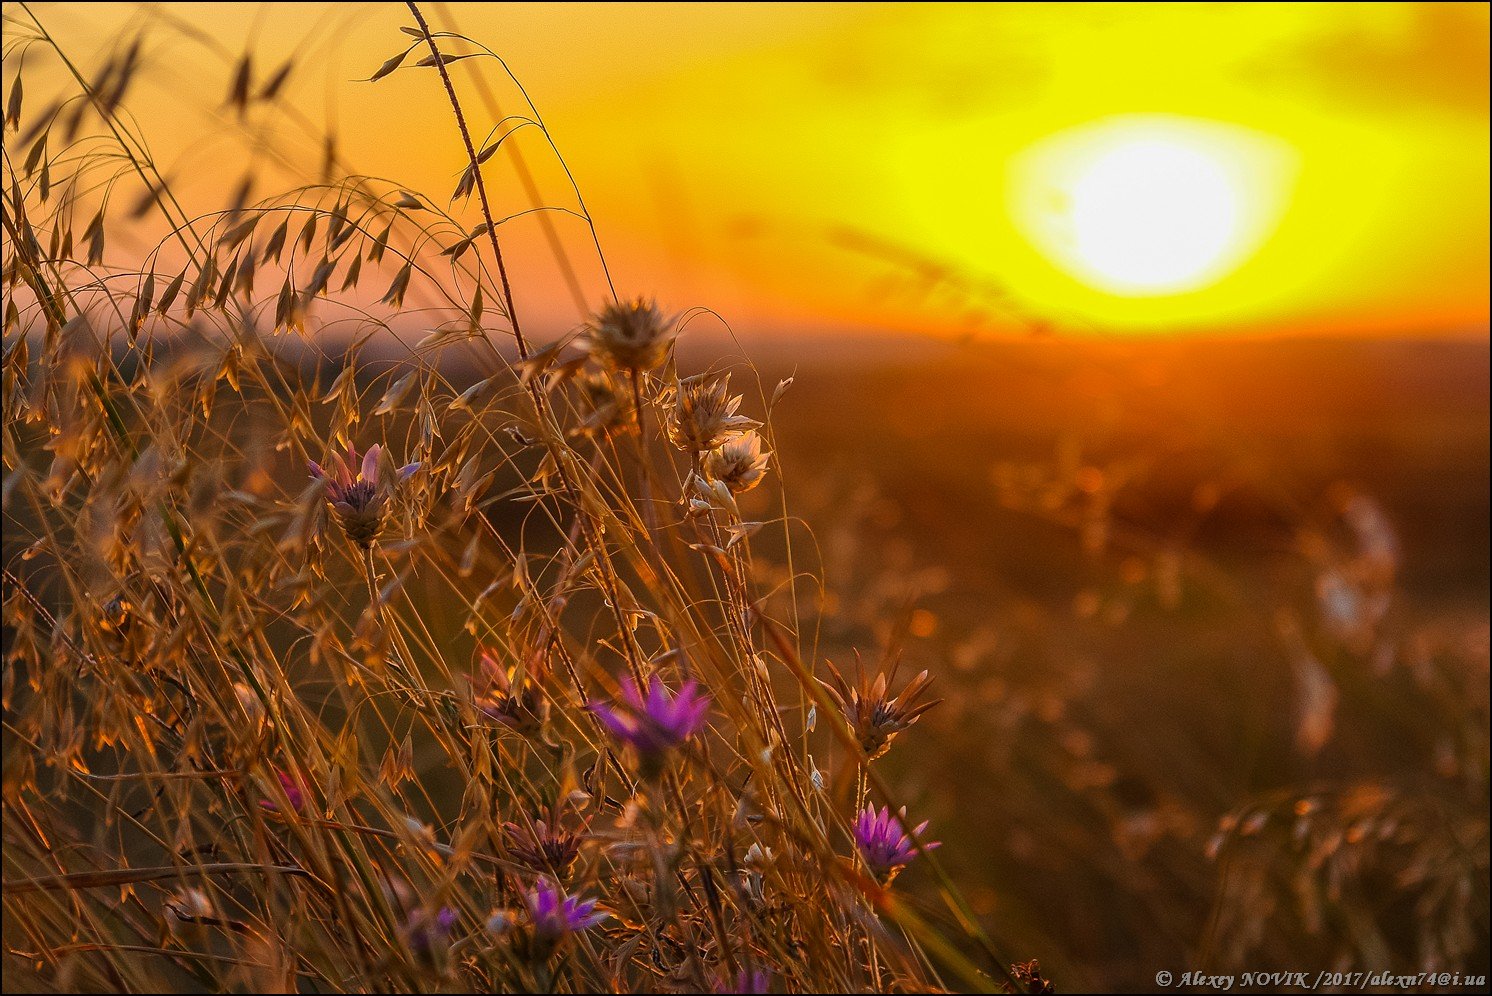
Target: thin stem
<point>476,168</point>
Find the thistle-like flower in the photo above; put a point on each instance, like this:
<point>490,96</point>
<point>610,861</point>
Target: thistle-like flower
<point>702,413</point>
<point>554,916</point>
<point>875,715</point>
<point>738,463</point>
<point>510,699</point>
<point>544,846</point>
<point>630,335</point>
<point>883,844</point>
<point>354,494</point>
<point>657,722</point>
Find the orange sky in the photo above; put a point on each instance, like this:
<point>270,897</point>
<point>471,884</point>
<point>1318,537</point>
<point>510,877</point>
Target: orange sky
<point>816,167</point>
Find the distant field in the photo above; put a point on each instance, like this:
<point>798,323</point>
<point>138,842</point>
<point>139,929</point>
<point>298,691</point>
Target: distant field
<point>1095,736</point>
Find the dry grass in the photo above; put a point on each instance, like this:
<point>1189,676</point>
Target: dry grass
<point>359,729</point>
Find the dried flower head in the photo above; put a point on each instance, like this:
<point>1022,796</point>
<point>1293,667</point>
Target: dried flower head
<point>654,723</point>
<point>354,494</point>
<point>876,715</point>
<point>701,413</point>
<point>544,846</point>
<point>738,463</point>
<point>118,616</point>
<point>509,698</point>
<point>607,404</point>
<point>630,335</point>
<point>884,845</point>
<point>1028,974</point>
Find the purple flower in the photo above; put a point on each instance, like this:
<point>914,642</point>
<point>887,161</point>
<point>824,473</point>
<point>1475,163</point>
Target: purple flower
<point>657,722</point>
<point>354,494</point>
<point>554,915</point>
<point>425,931</point>
<point>293,790</point>
<point>747,981</point>
<point>882,843</point>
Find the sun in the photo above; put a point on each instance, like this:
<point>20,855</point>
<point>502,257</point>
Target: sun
<point>1147,206</point>
<point>1153,216</point>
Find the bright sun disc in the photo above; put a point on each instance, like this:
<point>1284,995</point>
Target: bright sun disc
<point>1150,205</point>
<point>1153,216</point>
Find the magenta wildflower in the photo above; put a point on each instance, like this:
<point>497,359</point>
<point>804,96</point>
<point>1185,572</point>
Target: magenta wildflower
<point>554,915</point>
<point>295,793</point>
<point>881,841</point>
<point>353,492</point>
<point>657,722</point>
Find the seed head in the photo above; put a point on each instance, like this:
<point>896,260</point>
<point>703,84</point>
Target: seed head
<point>876,715</point>
<point>738,463</point>
<point>544,846</point>
<point>1028,974</point>
<point>630,335</point>
<point>118,616</point>
<point>607,405</point>
<point>702,413</point>
<point>510,699</point>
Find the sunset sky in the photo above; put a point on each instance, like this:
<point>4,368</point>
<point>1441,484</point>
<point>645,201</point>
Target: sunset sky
<point>1127,169</point>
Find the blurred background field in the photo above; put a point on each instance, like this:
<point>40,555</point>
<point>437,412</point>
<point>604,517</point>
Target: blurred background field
<point>1102,726</point>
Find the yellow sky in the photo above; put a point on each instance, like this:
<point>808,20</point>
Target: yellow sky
<point>812,167</point>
